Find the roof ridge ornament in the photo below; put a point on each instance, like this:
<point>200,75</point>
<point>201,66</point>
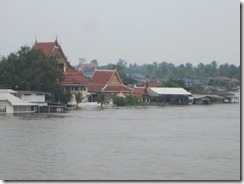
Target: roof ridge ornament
<point>56,40</point>
<point>35,39</point>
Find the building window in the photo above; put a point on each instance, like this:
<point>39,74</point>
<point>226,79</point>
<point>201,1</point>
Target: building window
<point>26,97</point>
<point>3,109</point>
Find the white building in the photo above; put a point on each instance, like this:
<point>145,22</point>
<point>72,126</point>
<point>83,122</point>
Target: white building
<point>35,97</point>
<point>9,103</point>
<point>170,95</point>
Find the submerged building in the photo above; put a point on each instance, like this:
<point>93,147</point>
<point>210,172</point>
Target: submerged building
<point>20,102</point>
<point>11,104</point>
<point>170,95</point>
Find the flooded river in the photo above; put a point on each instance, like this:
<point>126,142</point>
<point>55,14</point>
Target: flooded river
<point>139,143</point>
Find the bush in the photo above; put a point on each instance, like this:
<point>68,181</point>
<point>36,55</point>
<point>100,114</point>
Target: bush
<point>127,101</point>
<point>119,101</point>
<point>131,100</point>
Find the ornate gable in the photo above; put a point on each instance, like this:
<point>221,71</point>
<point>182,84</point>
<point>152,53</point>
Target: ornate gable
<point>107,81</point>
<point>50,49</point>
<point>55,50</point>
<point>115,78</point>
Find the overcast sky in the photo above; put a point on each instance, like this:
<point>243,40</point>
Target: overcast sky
<point>138,31</point>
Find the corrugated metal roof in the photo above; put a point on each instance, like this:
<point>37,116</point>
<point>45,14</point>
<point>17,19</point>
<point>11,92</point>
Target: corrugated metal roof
<point>7,91</point>
<point>33,92</point>
<point>167,91</point>
<point>14,100</point>
<point>197,96</point>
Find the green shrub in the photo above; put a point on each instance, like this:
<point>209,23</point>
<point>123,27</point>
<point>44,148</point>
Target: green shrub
<point>119,101</point>
<point>131,100</point>
<point>127,101</point>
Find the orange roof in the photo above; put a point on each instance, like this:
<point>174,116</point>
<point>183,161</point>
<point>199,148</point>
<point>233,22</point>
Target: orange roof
<point>102,76</point>
<point>116,88</point>
<point>70,70</point>
<point>95,87</point>
<point>75,77</point>
<point>107,81</point>
<point>139,91</point>
<point>108,88</point>
<point>49,48</point>
<point>153,84</point>
<point>46,47</point>
<point>71,76</point>
<point>74,80</point>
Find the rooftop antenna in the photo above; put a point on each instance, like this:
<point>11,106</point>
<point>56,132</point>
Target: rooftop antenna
<point>35,39</point>
<point>56,38</point>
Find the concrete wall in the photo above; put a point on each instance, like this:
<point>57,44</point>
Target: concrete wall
<point>32,97</point>
<point>8,107</point>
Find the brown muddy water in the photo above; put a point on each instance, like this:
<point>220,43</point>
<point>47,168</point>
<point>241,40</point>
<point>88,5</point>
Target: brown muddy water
<point>139,143</point>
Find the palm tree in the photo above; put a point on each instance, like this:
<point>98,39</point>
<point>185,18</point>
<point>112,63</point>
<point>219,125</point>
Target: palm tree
<point>102,99</point>
<point>78,98</point>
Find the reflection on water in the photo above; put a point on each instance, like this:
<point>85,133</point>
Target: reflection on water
<point>137,143</point>
<point>40,116</point>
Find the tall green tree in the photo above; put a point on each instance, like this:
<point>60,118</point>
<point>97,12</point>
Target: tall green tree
<point>30,69</point>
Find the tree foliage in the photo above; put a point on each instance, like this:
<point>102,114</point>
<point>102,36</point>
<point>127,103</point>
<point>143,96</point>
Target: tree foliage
<point>78,98</point>
<point>102,99</point>
<point>29,69</point>
<point>129,100</point>
<point>175,83</point>
<point>119,101</point>
<point>165,70</point>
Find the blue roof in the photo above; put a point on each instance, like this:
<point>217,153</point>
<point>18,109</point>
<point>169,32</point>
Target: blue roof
<point>189,80</point>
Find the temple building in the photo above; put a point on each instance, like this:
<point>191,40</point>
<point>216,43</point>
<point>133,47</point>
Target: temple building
<point>141,93</point>
<point>107,82</point>
<point>74,81</point>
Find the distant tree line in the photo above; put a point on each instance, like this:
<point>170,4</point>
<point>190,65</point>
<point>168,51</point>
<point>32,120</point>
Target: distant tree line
<point>165,70</point>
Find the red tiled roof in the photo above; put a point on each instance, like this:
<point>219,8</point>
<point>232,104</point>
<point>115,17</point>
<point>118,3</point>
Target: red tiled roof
<point>101,81</point>
<point>50,48</point>
<point>153,84</point>
<point>108,88</point>
<point>70,70</point>
<point>45,47</point>
<point>95,87</point>
<point>75,77</point>
<point>72,76</point>
<point>116,88</point>
<point>102,76</point>
<point>73,84</point>
<point>139,91</point>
